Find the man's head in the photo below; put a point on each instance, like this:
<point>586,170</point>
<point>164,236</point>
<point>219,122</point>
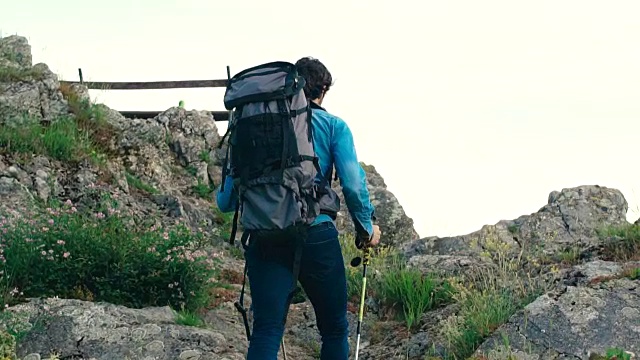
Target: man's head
<point>317,76</point>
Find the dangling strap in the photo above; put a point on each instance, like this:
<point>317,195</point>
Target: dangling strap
<point>234,225</point>
<point>225,169</point>
<point>240,303</point>
<point>297,259</point>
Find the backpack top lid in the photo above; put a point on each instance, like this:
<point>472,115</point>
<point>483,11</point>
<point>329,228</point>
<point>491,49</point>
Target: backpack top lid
<point>269,81</point>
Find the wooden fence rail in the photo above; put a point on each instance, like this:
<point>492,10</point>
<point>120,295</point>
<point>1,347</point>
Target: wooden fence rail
<point>153,85</point>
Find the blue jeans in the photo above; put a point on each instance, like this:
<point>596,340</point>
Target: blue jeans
<point>322,276</point>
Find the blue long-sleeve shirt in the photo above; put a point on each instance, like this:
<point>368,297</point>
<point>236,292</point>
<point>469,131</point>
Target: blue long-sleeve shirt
<point>334,146</point>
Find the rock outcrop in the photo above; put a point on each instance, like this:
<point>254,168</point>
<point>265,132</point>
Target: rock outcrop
<point>568,222</point>
<point>85,330</point>
<point>26,89</point>
<point>575,321</point>
<point>396,227</point>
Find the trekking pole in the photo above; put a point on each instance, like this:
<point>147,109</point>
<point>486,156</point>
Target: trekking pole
<point>355,262</point>
<point>284,350</point>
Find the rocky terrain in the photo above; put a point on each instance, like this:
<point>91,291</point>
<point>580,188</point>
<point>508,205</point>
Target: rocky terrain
<point>562,282</point>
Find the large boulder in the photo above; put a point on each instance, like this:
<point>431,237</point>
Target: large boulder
<point>576,321</point>
<point>27,91</point>
<point>85,330</point>
<point>15,51</point>
<point>569,220</point>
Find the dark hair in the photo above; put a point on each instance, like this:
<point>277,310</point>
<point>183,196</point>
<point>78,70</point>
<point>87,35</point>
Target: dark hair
<point>316,75</point>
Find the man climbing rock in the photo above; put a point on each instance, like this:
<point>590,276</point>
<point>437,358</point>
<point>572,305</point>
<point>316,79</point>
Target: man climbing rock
<point>321,270</point>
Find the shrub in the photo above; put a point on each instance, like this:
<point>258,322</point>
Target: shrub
<point>102,257</point>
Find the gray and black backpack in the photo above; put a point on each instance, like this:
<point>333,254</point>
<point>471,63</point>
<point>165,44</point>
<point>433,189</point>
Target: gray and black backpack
<point>271,157</point>
<point>270,154</point>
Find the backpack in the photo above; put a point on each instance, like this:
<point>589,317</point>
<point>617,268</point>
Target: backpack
<point>271,158</point>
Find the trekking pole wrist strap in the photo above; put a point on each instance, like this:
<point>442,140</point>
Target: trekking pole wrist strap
<point>362,239</point>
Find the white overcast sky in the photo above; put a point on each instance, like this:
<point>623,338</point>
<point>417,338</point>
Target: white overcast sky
<point>473,111</point>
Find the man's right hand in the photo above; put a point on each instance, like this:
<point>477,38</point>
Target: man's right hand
<point>375,239</point>
<point>372,241</point>
<point>364,240</point>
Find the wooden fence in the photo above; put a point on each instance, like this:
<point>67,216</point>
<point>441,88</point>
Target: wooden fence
<point>153,85</point>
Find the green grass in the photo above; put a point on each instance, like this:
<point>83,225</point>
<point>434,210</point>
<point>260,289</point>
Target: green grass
<point>224,221</point>
<point>633,273</point>
<point>414,292</point>
<point>204,156</point>
<point>189,318</point>
<point>136,183</point>
<point>10,74</point>
<point>618,354</point>
<point>407,291</point>
<point>103,256</point>
<point>203,190</point>
<point>487,298</point>
<point>61,140</point>
<point>613,353</point>
<point>7,346</point>
<point>621,243</point>
<point>84,134</point>
<point>19,325</point>
<point>481,313</point>
<point>92,121</point>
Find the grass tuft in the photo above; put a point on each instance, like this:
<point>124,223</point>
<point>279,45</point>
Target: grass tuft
<point>621,243</point>
<point>12,74</point>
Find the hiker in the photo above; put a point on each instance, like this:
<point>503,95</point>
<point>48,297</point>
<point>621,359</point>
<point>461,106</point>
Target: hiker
<point>321,270</point>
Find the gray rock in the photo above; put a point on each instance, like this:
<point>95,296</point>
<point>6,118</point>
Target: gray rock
<point>36,96</point>
<point>448,264</point>
<point>579,322</point>
<point>16,49</point>
<point>569,220</point>
<point>418,345</point>
<point>104,331</point>
<point>397,228</point>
